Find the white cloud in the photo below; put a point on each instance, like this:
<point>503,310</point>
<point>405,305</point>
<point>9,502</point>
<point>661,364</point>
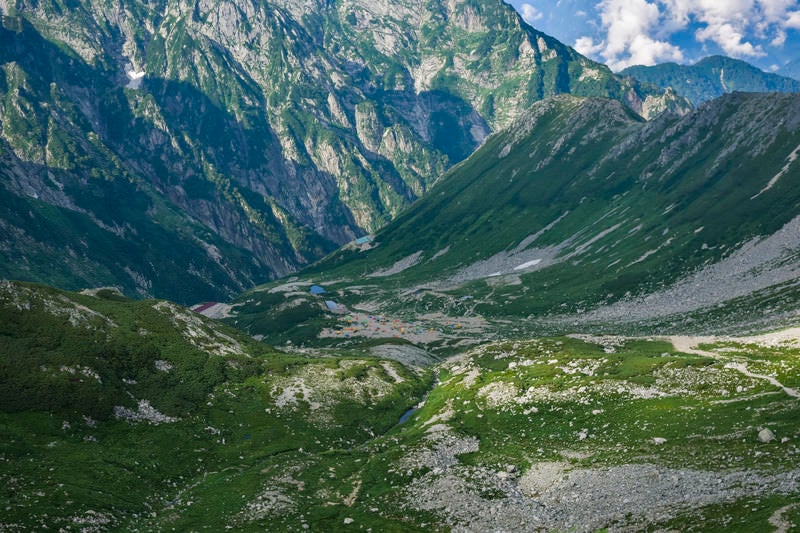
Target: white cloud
<point>640,31</point>
<point>775,10</point>
<point>529,13</point>
<point>585,45</point>
<point>793,20</point>
<point>727,24</point>
<point>631,30</point>
<point>647,51</point>
<point>779,40</point>
<point>625,21</point>
<point>730,39</point>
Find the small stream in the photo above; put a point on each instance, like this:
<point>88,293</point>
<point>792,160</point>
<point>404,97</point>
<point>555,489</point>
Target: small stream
<point>422,400</point>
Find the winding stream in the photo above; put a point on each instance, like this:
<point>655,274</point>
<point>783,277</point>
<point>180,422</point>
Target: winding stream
<point>403,419</point>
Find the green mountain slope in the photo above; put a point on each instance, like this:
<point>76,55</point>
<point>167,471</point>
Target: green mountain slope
<point>791,69</point>
<point>237,141</point>
<point>712,77</point>
<point>581,213</point>
<point>143,416</point>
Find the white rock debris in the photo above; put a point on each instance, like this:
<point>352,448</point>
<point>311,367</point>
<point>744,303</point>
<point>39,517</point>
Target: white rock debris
<point>144,413</point>
<point>200,333</point>
<point>766,435</point>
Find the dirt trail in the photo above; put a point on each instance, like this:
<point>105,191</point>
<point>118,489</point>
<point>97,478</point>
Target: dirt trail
<point>777,520</point>
<point>689,345</point>
<point>742,368</point>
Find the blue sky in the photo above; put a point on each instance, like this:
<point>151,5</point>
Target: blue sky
<point>621,33</point>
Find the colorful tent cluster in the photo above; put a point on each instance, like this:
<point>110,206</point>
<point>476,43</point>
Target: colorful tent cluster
<point>202,307</point>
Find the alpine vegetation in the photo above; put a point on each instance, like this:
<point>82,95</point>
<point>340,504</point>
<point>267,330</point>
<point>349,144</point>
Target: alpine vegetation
<point>386,266</point>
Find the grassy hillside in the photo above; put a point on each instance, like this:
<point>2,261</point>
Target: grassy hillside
<point>584,434</point>
<point>141,416</point>
<point>583,216</point>
<point>124,415</point>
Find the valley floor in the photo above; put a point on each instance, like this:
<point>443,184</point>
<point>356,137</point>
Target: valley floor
<point>578,433</point>
<point>677,433</point>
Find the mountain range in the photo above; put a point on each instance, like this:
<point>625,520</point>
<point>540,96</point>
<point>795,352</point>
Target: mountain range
<point>581,215</point>
<point>791,69</point>
<point>712,77</point>
<point>559,314</point>
<point>235,142</point>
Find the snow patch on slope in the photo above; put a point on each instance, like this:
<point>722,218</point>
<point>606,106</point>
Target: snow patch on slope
<point>135,77</point>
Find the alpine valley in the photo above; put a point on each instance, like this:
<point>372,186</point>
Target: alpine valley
<point>444,274</point>
<point>190,150</point>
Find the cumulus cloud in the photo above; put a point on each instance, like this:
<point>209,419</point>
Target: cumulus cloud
<point>632,35</point>
<point>586,46</point>
<point>793,20</point>
<point>640,31</point>
<point>529,13</point>
<point>779,40</point>
<point>730,38</point>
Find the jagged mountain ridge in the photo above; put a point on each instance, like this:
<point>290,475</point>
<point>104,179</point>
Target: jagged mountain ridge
<point>251,137</point>
<point>712,77</point>
<point>583,215</point>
